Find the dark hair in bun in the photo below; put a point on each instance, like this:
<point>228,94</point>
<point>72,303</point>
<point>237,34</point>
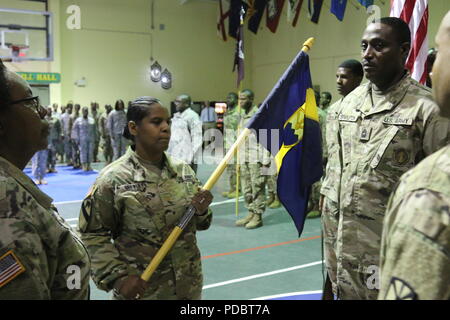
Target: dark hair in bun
<point>137,111</point>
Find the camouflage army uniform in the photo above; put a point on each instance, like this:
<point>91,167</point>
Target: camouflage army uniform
<point>66,129</point>
<point>39,164</point>
<point>195,129</point>
<point>253,158</point>
<point>315,189</point>
<point>54,139</point>
<point>415,249</point>
<point>115,123</point>
<point>330,191</point>
<point>75,146</point>
<point>84,134</point>
<point>41,241</point>
<point>106,138</point>
<point>230,124</point>
<point>180,145</point>
<point>96,116</point>
<point>137,208</point>
<point>377,145</point>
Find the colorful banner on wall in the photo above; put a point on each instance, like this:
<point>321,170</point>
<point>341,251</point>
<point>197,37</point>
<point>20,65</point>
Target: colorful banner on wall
<point>40,77</point>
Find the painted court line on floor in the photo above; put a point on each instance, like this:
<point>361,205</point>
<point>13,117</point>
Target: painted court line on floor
<point>260,275</point>
<point>259,248</point>
<point>288,294</point>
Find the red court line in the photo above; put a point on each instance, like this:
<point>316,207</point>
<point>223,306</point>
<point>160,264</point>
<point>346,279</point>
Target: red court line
<point>258,248</point>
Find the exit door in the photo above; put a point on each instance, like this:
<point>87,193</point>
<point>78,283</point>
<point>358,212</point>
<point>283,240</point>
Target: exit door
<point>43,91</point>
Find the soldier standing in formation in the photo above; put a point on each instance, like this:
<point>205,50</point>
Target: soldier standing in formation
<point>184,111</point>
<point>39,252</point>
<point>230,125</point>
<point>96,116</point>
<point>322,103</point>
<point>117,120</point>
<point>134,205</point>
<point>180,145</point>
<point>75,146</point>
<point>348,77</point>
<point>54,139</point>
<point>385,128</point>
<point>84,135</point>
<point>251,162</point>
<point>415,249</point>
<point>66,126</point>
<point>106,137</point>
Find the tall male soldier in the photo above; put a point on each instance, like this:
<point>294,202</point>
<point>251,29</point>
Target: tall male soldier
<point>415,250</point>
<point>348,76</point>
<point>386,127</point>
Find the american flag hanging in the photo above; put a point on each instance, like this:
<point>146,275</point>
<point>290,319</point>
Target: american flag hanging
<point>415,14</point>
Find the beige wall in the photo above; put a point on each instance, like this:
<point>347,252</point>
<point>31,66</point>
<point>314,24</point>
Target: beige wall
<point>113,48</point>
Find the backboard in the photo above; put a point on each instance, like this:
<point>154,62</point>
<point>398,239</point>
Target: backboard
<point>26,35</point>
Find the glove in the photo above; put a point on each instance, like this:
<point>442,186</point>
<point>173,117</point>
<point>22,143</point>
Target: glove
<point>131,287</point>
<point>201,201</point>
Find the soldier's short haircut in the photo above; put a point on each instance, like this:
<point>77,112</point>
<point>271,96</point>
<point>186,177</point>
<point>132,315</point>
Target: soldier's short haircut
<point>249,93</point>
<point>400,27</point>
<point>234,94</point>
<point>327,94</point>
<point>137,111</point>
<point>354,66</point>
<point>5,96</point>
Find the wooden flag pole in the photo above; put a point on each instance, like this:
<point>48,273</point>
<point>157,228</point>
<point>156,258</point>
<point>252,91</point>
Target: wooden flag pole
<point>170,241</point>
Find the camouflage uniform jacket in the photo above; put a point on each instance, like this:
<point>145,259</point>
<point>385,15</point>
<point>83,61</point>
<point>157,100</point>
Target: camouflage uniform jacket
<point>42,242</point>
<point>54,129</point>
<point>251,151</point>
<point>96,116</point>
<point>331,180</point>
<point>65,122</point>
<point>116,122</point>
<point>129,213</point>
<point>230,124</point>
<point>415,251</point>
<point>377,145</point>
<point>195,129</point>
<point>84,130</point>
<point>103,129</point>
<point>322,123</point>
<point>180,145</point>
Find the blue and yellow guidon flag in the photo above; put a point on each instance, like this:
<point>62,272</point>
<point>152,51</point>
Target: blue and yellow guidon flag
<point>291,108</point>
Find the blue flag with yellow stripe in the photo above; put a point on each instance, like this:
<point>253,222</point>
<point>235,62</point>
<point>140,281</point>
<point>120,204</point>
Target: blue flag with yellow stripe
<point>291,110</point>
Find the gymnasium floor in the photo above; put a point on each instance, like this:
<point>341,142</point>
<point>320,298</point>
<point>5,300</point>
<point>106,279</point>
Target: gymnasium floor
<point>238,264</point>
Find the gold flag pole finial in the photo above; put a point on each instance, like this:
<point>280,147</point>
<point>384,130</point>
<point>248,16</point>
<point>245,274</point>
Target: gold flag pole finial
<point>308,44</point>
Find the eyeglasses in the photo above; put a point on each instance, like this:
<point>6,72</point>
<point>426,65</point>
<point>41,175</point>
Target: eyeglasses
<point>34,103</point>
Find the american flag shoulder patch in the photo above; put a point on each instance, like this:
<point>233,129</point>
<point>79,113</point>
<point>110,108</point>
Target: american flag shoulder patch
<point>10,267</point>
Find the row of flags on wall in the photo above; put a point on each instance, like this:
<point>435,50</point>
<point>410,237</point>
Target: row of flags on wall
<point>256,10</point>
<point>413,12</point>
<point>291,108</point>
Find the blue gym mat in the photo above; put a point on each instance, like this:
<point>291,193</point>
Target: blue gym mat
<point>67,184</point>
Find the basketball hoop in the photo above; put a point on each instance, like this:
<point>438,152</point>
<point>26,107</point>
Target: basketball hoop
<point>18,52</point>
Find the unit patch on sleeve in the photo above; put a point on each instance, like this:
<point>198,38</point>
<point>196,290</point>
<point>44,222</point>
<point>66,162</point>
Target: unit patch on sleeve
<point>10,267</point>
<point>400,290</point>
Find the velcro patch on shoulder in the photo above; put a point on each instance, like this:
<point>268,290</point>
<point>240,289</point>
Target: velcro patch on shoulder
<point>10,267</point>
